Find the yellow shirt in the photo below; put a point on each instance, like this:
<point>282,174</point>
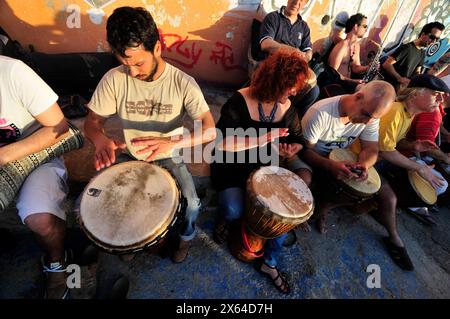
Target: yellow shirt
<point>393,127</point>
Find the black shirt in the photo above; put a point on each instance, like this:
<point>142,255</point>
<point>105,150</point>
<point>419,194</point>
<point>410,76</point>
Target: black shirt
<point>234,115</point>
<point>279,28</point>
<point>408,58</point>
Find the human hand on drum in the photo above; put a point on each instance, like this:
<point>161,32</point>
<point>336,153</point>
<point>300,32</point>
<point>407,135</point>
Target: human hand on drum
<point>426,171</point>
<point>272,136</point>
<point>155,145</point>
<point>289,150</point>
<point>105,152</point>
<point>360,170</point>
<point>424,146</point>
<point>343,170</point>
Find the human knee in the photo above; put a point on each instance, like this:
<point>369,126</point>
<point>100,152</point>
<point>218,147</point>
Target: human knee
<point>43,224</point>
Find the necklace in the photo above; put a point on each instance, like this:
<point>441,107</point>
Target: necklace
<point>263,117</point>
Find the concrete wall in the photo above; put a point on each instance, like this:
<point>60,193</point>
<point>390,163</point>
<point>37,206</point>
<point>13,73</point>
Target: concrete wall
<point>209,38</point>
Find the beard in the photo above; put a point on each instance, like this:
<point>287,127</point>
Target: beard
<point>149,78</point>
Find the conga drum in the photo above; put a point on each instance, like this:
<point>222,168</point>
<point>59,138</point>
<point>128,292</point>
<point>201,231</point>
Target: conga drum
<point>355,191</point>
<point>277,201</point>
<point>130,207</point>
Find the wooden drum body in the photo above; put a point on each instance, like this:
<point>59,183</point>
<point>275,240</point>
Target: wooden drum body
<point>277,201</point>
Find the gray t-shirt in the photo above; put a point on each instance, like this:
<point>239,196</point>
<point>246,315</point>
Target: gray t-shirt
<point>146,108</point>
<point>322,126</point>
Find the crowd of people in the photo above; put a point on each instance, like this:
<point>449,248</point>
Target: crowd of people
<point>390,124</point>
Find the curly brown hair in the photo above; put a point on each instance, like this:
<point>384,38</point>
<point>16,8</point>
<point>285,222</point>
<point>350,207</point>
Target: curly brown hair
<point>281,71</point>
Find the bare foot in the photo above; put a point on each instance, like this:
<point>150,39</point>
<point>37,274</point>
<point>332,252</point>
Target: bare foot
<point>305,227</point>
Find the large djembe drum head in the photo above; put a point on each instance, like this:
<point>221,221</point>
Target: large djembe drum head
<point>129,206</point>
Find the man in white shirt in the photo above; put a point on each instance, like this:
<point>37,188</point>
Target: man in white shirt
<point>336,123</point>
<point>30,121</point>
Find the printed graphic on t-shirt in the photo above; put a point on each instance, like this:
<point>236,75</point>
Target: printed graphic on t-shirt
<point>342,142</point>
<point>148,108</point>
<point>8,134</point>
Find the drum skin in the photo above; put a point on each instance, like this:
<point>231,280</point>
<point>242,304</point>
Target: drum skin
<point>129,206</point>
<point>363,189</point>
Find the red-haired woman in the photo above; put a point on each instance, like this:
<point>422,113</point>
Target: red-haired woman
<point>258,110</point>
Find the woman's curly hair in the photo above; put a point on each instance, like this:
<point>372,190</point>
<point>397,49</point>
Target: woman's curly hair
<point>281,71</point>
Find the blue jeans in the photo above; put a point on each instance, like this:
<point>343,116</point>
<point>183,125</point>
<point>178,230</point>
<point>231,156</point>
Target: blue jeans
<point>231,206</point>
<point>185,181</point>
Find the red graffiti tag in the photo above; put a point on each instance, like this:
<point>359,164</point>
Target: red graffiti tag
<point>190,55</point>
<point>224,55</point>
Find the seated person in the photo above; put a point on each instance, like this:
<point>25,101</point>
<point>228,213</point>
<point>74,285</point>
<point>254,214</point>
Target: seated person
<point>424,93</point>
<point>323,47</point>
<point>425,127</point>
<point>162,94</point>
<point>263,106</point>
<point>408,59</point>
<point>336,123</point>
<point>344,58</point>
<point>287,29</point>
<point>31,121</point>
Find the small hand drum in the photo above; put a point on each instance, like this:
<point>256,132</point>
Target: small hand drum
<point>359,189</point>
<point>422,187</point>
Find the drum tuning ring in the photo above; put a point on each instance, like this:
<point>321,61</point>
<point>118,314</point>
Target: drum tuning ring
<point>94,192</point>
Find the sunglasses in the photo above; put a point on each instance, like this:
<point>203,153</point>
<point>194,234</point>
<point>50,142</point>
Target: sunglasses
<point>433,37</point>
<point>364,26</point>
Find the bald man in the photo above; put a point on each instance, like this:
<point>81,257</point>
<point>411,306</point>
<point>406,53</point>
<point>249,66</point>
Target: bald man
<point>337,122</point>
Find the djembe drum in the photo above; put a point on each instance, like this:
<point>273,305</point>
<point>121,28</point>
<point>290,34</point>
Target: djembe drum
<point>352,190</point>
<point>277,201</point>
<point>130,207</point>
<point>13,174</point>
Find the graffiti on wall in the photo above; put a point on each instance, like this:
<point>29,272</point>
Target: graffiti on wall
<point>182,51</point>
<point>200,38</point>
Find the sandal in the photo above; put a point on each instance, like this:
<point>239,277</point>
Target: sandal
<point>283,286</point>
<point>398,255</point>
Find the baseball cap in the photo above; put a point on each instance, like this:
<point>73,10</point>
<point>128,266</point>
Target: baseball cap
<point>428,81</point>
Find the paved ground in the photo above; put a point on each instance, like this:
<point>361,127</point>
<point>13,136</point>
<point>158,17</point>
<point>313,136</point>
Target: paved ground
<point>319,266</point>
